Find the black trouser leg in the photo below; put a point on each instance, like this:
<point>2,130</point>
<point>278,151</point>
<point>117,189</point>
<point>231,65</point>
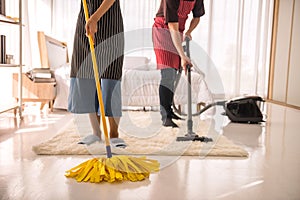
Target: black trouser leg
<point>166,92</point>
<point>165,97</point>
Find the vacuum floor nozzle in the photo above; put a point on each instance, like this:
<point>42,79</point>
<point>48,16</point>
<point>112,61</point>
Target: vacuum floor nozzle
<point>194,137</point>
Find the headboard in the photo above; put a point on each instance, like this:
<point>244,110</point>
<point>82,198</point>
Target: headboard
<point>53,53</point>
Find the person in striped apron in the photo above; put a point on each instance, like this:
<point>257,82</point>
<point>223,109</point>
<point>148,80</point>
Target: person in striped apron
<point>167,35</point>
<point>106,27</point>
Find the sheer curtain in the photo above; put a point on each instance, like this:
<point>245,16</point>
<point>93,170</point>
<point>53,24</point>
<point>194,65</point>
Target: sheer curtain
<point>55,18</point>
<point>64,16</point>
<point>238,35</point>
<point>231,45</point>
<point>36,17</point>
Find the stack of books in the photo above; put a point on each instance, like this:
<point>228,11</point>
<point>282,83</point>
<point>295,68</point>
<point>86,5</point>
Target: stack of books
<point>41,75</point>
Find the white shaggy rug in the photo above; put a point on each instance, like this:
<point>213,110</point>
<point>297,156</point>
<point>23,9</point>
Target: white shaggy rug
<point>144,135</point>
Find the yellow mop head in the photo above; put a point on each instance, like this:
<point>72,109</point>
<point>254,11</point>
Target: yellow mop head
<point>114,169</point>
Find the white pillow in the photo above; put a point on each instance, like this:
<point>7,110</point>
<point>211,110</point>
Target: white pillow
<point>136,63</point>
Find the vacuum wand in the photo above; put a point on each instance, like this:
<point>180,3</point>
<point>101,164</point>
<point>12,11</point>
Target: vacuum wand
<point>189,103</point>
<point>189,116</point>
<point>190,136</point>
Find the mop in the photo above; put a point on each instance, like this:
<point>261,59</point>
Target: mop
<point>190,135</point>
<point>111,168</point>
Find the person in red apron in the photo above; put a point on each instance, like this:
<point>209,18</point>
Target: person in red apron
<point>167,35</point>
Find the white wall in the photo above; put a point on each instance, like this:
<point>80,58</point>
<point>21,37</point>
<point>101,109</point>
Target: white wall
<point>293,92</point>
<point>286,81</point>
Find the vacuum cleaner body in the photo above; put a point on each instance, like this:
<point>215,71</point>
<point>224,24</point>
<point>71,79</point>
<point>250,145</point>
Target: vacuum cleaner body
<point>244,109</point>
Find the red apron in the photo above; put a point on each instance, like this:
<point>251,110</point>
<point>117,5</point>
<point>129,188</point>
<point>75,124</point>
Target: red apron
<point>166,53</point>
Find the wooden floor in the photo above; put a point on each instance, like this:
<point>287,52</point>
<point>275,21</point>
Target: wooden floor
<point>271,171</point>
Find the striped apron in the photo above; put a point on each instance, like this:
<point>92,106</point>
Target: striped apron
<point>165,51</point>
<point>109,44</point>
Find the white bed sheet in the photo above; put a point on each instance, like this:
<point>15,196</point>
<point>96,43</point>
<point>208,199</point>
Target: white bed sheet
<point>140,88</point>
<point>62,77</point>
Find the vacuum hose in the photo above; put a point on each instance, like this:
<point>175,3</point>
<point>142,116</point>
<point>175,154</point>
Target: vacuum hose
<point>178,76</point>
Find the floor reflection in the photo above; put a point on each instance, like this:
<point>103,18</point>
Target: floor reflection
<point>250,135</point>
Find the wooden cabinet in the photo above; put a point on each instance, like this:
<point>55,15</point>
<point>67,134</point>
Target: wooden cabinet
<point>35,92</point>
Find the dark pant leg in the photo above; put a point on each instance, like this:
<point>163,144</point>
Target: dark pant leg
<point>166,92</point>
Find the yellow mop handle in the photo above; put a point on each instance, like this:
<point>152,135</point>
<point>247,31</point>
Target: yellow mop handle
<point>99,92</point>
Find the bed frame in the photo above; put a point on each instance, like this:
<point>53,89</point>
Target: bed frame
<point>45,42</point>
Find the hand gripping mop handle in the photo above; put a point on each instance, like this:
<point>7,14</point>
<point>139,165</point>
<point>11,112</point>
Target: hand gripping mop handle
<point>99,92</point>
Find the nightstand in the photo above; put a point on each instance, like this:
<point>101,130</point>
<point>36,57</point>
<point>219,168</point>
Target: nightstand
<point>35,92</point>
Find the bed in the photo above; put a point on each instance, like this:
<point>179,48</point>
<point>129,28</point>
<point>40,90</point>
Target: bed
<point>140,83</point>
<point>140,79</point>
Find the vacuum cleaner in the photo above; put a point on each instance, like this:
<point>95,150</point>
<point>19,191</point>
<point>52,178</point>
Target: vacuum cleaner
<point>239,110</point>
